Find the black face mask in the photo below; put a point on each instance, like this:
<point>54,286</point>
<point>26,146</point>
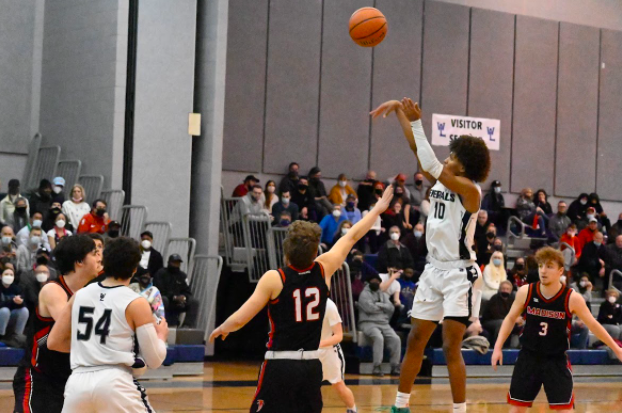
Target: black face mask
<point>418,182</point>
<point>316,179</point>
<point>490,235</point>
<point>504,295</point>
<point>519,267</point>
<point>374,286</point>
<point>20,210</point>
<point>378,192</point>
<point>100,212</point>
<point>498,248</point>
<point>54,211</point>
<point>113,233</point>
<point>302,187</point>
<point>293,175</point>
<point>173,270</point>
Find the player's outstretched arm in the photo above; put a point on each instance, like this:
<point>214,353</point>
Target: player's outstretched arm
<point>268,287</point>
<point>579,307</point>
<point>334,258</point>
<point>60,336</point>
<point>335,338</point>
<point>508,325</point>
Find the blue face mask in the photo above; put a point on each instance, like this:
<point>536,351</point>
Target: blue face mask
<point>285,222</point>
<point>496,262</point>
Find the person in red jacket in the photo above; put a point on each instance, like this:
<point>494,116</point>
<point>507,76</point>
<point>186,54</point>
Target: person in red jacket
<point>96,221</point>
<point>243,189</point>
<point>587,234</point>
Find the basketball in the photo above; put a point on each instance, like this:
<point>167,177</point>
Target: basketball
<point>368,27</point>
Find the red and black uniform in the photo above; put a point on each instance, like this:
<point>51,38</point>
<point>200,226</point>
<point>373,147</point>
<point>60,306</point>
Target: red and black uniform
<point>39,383</point>
<point>543,360</point>
<point>292,383</point>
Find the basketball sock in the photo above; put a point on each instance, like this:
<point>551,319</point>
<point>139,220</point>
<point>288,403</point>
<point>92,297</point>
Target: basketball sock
<point>402,399</point>
<point>460,407</point>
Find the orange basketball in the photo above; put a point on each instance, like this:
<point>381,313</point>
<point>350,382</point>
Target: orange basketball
<point>368,27</point>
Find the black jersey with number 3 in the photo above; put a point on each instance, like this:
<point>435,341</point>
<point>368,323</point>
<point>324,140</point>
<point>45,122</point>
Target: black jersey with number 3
<point>296,315</point>
<point>548,321</point>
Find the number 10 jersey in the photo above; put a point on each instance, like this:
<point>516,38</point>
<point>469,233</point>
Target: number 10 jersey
<point>100,334</point>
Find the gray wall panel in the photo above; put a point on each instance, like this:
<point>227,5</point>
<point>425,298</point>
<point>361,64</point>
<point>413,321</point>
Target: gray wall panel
<point>345,94</point>
<point>445,64</point>
<point>535,89</point>
<point>246,85</point>
<point>577,109</point>
<point>609,167</point>
<point>397,73</point>
<point>490,82</point>
<point>293,84</point>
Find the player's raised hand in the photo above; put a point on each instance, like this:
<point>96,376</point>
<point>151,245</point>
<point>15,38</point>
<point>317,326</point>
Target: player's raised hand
<point>497,358</point>
<point>217,333</point>
<point>412,110</point>
<point>387,196</point>
<point>386,108</point>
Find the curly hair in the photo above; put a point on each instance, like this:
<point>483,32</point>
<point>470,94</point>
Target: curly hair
<point>121,258</point>
<point>300,246</point>
<point>549,254</point>
<point>473,154</point>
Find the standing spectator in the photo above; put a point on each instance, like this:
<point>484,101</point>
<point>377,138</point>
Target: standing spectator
<point>12,306</point>
<point>303,198</point>
<point>8,204</point>
<point>58,232</point>
<point>151,260</point>
<point>615,230</point>
<point>394,254</point>
<point>75,208</point>
<point>41,199</point>
<point>497,309</point>
<point>58,189</point>
<point>584,287</point>
<point>289,183</point>
<point>587,234</point>
<point>558,223</point>
<point>176,294</point>
<point>23,234</point>
<point>20,217</point>
<point>494,273</point>
<point>50,218</point>
<point>270,195</point>
<point>351,212</point>
<point>97,221</point>
<point>593,258</point>
<point>541,201</point>
<point>318,191</point>
<point>285,205</point>
<point>365,191</point>
<point>249,182</point>
<point>614,253</point>
<point>518,273</point>
<point>375,312</point>
<point>26,254</point>
<point>417,193</point>
<point>610,314</point>
<point>340,192</point>
<point>330,224</point>
<point>578,208</point>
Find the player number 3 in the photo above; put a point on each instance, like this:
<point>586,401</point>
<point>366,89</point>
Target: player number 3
<point>311,316</point>
<point>545,328</point>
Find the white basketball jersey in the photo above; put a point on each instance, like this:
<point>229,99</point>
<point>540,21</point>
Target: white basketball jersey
<point>331,318</point>
<point>450,227</point>
<point>100,334</point>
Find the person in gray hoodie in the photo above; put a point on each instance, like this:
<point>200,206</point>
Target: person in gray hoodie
<point>375,311</point>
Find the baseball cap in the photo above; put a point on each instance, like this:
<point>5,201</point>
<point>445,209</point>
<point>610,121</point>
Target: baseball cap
<point>59,181</point>
<point>114,224</point>
<point>593,219</point>
<point>175,257</point>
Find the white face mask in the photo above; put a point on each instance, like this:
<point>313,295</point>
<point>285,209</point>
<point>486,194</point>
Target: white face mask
<point>583,201</point>
<point>336,213</point>
<point>60,223</point>
<point>271,189</point>
<point>583,283</point>
<point>35,240</point>
<point>418,234</point>
<point>8,279</point>
<point>6,240</point>
<point>37,223</point>
<point>590,216</point>
<point>42,277</point>
<point>343,183</point>
<point>497,189</point>
<point>285,201</point>
<point>612,299</point>
<point>57,189</point>
<point>562,279</point>
<point>395,236</point>
<point>344,231</point>
<point>146,244</point>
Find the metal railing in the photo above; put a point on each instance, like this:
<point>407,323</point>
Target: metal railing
<point>45,166</point>
<point>569,255</point>
<point>204,286</point>
<point>133,218</point>
<point>185,247</point>
<point>114,198</point>
<point>611,274</point>
<point>93,185</point>
<point>70,170</point>
<point>255,228</point>
<point>233,234</point>
<point>161,233</point>
<point>276,236</point>
<point>341,294</point>
<point>31,161</point>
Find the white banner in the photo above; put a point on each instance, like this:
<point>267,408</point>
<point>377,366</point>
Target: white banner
<point>446,128</point>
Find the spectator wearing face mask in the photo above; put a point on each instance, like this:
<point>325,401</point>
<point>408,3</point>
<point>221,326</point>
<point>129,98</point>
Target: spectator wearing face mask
<point>22,236</point>
<point>593,258</point>
<point>13,309</point>
<point>493,201</point>
<point>26,253</point>
<point>584,287</point>
<point>41,199</point>
<point>50,219</point>
<point>578,208</point>
<point>559,222</point>
<point>97,221</point>
<point>365,191</point>
<point>114,230</point>
<point>318,192</point>
<point>245,187</point>
<point>359,272</point>
<point>176,293</point>
<point>614,255</point>
<point>343,229</point>
<point>270,195</point>
<point>402,197</point>
<point>285,205</point>
<point>143,285</point>
<point>340,192</point>
<point>570,238</point>
<point>393,217</point>
<point>417,193</point>
<point>31,283</point>
<point>76,207</point>
<point>285,220</point>
<point>614,230</point>
<point>151,260</point>
<point>400,180</point>
<point>9,204</point>
<point>9,247</point>
<point>330,225</point>
<point>485,247</point>
<point>303,198</point>
<point>418,248</point>
<point>394,254</point>
<point>610,314</point>
<point>58,190</point>
<point>58,232</point>
<point>351,212</point>
<point>494,273</point>
<point>20,216</point>
<point>496,309</point>
<point>375,236</point>
<point>518,273</point>
<point>289,183</point>
<point>594,202</point>
<point>587,234</point>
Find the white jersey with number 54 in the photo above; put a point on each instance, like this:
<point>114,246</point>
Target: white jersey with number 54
<point>450,227</point>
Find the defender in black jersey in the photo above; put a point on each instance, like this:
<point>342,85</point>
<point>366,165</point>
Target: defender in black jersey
<point>291,375</point>
<point>548,307</point>
<point>39,382</point>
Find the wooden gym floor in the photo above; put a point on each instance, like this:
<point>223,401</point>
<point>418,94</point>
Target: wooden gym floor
<point>229,388</point>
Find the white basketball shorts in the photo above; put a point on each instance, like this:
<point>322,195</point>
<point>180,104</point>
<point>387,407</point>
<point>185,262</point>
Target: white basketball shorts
<point>333,364</point>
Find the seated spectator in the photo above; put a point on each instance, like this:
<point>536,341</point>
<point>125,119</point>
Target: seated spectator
<point>114,230</point>
<point>58,190</point>
<point>496,309</point>
<point>318,192</point>
<point>530,214</point>
<point>558,223</point>
<point>593,259</point>
<point>143,285</point>
<point>485,247</point>
<point>570,238</point>
<point>330,224</point>
<point>23,234</point>
<point>400,180</point>
<point>303,198</point>
<point>289,183</point>
<point>97,221</point>
<point>391,286</point>
<point>376,234</point>
<point>587,234</point>
<point>9,247</point>
<point>50,220</point>
<point>41,199</point>
<point>424,208</point>
<point>365,191</point>
<point>418,248</point>
<point>31,283</point>
<point>76,207</point>
<point>285,219</point>
<point>393,217</point>
<point>578,208</point>
<point>13,311</point>
<point>610,314</point>
<point>351,212</point>
<point>342,230</point>
<point>151,260</point>
<point>8,204</point>
<point>176,294</point>
<point>394,254</point>
<point>518,274</point>
<point>285,205</point>
<point>375,312</point>
<point>480,227</point>
<point>615,230</point>
<point>493,274</point>
<point>270,195</point>
<point>251,203</point>
<point>540,200</point>
<point>584,287</point>
<point>417,193</point>
<point>533,272</point>
<point>401,198</point>
<point>58,232</point>
<point>26,253</point>
<point>594,202</point>
<point>245,187</point>
<point>614,253</point>
<point>340,192</point>
<point>359,272</point>
<point>498,245</point>
<point>20,217</point>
